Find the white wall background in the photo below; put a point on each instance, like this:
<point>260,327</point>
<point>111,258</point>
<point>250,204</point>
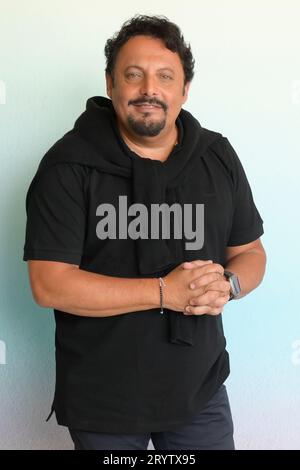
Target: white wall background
<point>247,86</point>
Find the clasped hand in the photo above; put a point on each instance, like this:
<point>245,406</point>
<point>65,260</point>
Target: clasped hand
<point>197,287</point>
<point>215,289</point>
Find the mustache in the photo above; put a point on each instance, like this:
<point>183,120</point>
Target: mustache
<point>153,101</point>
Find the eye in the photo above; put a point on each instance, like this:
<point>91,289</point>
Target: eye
<point>133,75</point>
<point>166,77</point>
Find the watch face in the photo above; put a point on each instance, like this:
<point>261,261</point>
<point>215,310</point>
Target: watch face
<point>235,285</point>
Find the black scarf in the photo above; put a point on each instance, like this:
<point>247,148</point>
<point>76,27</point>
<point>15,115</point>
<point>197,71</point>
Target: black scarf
<point>95,141</point>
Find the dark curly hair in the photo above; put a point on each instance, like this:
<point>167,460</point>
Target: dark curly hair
<point>157,27</point>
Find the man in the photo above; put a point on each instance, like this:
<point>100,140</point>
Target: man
<point>140,349</point>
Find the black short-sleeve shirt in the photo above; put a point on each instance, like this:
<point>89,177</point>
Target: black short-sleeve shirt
<point>120,373</point>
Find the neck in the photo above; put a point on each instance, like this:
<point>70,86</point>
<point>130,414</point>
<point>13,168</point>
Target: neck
<point>156,148</point>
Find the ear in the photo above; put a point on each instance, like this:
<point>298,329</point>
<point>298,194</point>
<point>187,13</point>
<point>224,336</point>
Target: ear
<point>186,92</point>
<point>109,84</point>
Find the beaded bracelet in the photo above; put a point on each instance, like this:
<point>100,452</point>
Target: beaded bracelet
<point>161,284</point>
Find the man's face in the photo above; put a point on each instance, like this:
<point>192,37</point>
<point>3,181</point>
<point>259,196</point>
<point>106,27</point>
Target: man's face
<point>148,88</point>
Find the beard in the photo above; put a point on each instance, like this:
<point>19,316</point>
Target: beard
<point>144,127</point>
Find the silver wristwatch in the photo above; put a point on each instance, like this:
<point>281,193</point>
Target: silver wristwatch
<point>235,287</point>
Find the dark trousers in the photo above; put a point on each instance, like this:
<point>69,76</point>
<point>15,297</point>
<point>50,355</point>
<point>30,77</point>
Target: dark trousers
<point>211,429</point>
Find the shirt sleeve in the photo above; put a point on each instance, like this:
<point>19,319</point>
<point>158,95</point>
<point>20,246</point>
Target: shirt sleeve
<point>56,215</point>
<point>247,224</point>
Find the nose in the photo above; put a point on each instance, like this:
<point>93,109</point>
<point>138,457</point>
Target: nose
<point>148,86</point>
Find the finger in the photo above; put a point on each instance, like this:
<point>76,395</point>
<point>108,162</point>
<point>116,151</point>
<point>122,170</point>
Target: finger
<point>196,263</point>
<point>205,299</point>
<point>220,301</point>
<point>203,310</point>
<point>221,286</point>
<point>216,311</point>
<point>205,280</point>
<point>213,268</point>
<point>208,268</point>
